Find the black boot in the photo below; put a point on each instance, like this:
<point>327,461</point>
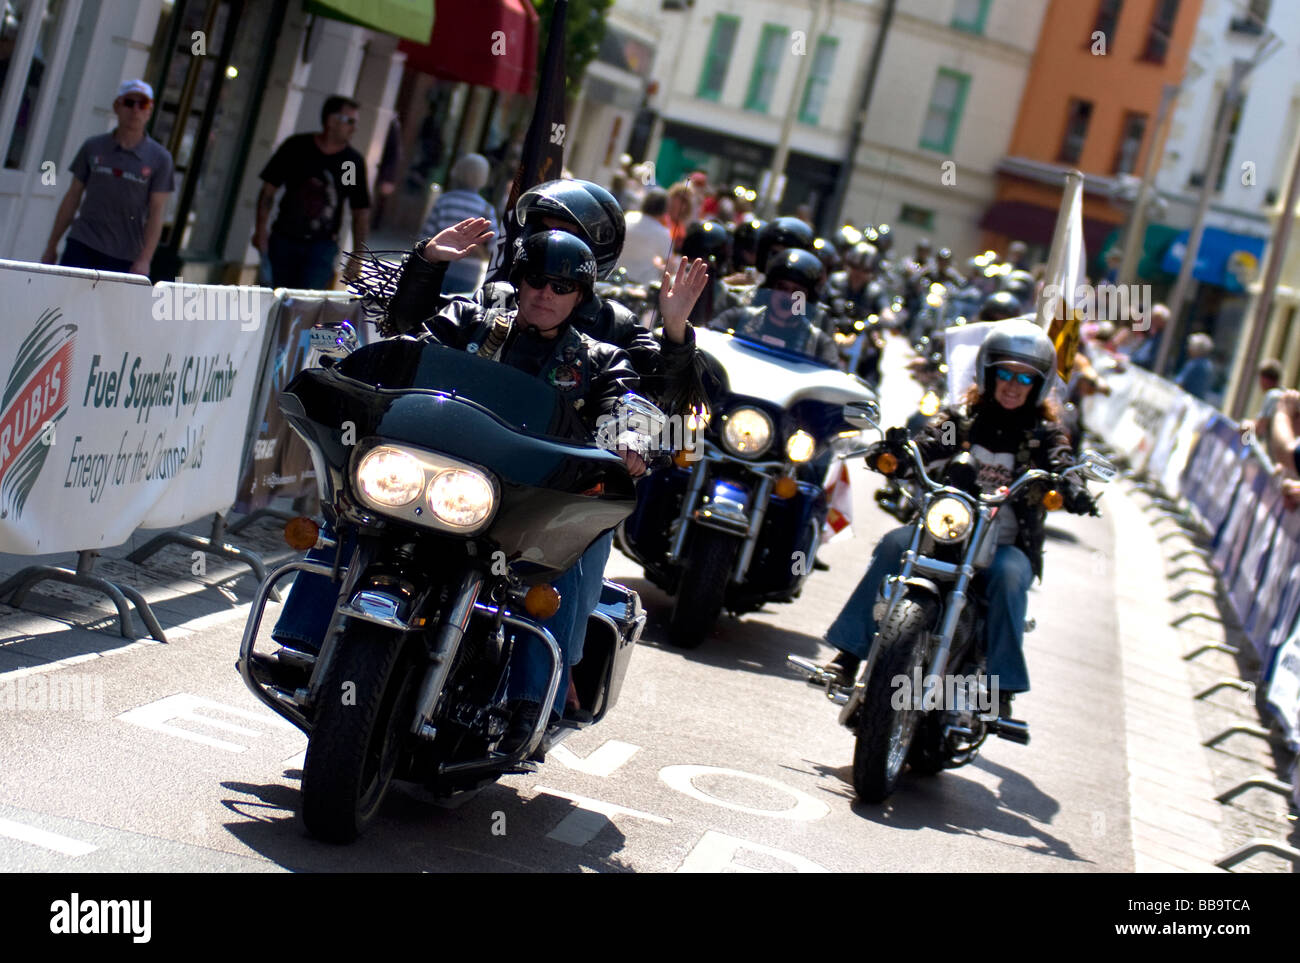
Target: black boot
<point>845,665</point>
<point>523,720</point>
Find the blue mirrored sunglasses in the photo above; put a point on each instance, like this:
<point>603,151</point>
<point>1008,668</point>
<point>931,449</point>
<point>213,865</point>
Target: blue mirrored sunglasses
<point>1020,377</point>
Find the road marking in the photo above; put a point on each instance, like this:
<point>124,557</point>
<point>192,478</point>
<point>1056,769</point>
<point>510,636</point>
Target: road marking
<point>681,778</point>
<point>716,853</point>
<point>184,707</point>
<point>43,838</point>
<point>592,815</point>
<point>602,761</point>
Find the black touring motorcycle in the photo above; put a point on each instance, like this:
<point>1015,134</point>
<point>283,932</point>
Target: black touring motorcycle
<point>455,499</point>
<point>902,704</point>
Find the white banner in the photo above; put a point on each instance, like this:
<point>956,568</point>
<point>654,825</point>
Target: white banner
<point>124,404</point>
<point>1284,689</point>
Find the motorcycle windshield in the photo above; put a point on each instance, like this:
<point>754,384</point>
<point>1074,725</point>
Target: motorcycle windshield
<point>520,400</point>
<point>781,322</point>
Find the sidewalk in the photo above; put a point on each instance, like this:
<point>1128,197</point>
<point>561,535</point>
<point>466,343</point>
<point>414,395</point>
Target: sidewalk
<point>1168,606</point>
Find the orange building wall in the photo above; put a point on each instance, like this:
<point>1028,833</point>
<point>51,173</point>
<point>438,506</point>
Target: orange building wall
<point>1064,68</point>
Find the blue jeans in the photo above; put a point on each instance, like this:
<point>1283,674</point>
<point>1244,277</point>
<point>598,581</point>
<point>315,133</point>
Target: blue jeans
<point>301,264</point>
<point>310,606</point>
<point>1005,588</point>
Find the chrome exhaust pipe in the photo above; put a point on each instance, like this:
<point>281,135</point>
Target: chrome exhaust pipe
<point>1012,729</point>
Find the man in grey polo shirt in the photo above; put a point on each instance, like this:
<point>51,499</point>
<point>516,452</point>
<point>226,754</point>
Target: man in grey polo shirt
<point>120,181</point>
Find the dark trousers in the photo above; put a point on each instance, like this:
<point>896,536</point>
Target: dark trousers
<point>301,264</point>
<point>76,254</point>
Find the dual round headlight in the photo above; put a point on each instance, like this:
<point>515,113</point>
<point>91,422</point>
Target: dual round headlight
<point>458,496</point>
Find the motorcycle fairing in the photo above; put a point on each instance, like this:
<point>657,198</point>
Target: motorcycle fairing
<point>780,377</point>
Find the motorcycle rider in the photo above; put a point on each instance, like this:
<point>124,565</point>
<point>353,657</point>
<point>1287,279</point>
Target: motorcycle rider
<point>553,274</point>
<point>858,294</point>
<point>792,285</point>
<point>708,241</point>
<point>999,306</point>
<point>744,249</point>
<point>1008,425</point>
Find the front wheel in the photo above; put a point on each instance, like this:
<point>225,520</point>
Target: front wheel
<point>703,587</point>
<point>358,733</point>
<point>885,730</point>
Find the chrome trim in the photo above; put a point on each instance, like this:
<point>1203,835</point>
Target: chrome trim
<point>689,500</point>
<point>760,499</point>
<point>375,608</point>
<point>446,644</point>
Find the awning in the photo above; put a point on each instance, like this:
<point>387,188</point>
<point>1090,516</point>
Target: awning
<point>412,19</point>
<point>1035,224</point>
<point>488,43</point>
<point>1226,260</point>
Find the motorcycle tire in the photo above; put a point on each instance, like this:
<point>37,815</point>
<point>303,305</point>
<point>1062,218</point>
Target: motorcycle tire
<point>703,587</point>
<point>356,740</point>
<point>884,734</point>
<point>927,756</point>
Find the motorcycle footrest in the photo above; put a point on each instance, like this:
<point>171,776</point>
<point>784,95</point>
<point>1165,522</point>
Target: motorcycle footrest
<point>1013,730</point>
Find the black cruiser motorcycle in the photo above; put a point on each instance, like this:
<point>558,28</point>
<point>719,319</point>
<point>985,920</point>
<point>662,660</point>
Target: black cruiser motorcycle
<point>455,499</point>
<point>904,705</point>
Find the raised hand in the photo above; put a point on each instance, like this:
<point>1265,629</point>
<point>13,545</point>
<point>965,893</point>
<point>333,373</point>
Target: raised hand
<point>677,296</point>
<point>457,241</point>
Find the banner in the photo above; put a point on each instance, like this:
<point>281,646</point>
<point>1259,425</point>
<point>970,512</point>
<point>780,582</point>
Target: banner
<point>1231,540</point>
<point>1255,548</point>
<point>277,463</point>
<point>124,405</point>
<point>1284,689</point>
<point>1279,572</point>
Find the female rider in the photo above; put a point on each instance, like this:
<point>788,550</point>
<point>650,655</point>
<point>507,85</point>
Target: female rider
<point>1009,426</point>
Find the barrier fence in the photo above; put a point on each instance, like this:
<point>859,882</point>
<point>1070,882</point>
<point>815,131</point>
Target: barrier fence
<point>128,405</point>
<point>1212,468</point>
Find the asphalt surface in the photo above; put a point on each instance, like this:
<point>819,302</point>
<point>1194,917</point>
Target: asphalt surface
<point>721,758</point>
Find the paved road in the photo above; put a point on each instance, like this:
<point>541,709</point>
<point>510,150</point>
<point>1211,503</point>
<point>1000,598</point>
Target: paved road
<point>716,758</point>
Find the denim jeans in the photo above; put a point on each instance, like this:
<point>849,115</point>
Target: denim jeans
<point>301,264</point>
<point>1005,586</point>
<point>310,606</point>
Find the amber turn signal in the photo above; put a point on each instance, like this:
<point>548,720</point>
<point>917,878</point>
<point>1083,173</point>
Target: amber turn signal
<point>682,459</point>
<point>301,533</point>
<point>1053,501</point>
<point>786,488</point>
<point>886,464</point>
<point>542,601</point>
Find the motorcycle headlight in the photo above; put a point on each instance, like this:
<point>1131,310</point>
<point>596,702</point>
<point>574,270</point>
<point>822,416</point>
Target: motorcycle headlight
<point>460,497</point>
<point>747,432</point>
<point>800,446</point>
<point>948,519</point>
<point>390,477</point>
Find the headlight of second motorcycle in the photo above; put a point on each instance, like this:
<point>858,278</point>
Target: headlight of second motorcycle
<point>948,519</point>
<point>747,432</point>
<point>800,446</point>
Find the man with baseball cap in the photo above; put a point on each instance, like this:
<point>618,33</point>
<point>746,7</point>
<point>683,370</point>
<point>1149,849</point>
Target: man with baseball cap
<point>120,181</point>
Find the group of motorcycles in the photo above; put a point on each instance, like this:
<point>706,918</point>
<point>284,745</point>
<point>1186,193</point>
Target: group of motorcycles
<point>453,506</point>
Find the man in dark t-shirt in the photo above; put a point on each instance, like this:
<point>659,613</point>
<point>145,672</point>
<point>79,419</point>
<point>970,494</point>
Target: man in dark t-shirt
<point>318,173</point>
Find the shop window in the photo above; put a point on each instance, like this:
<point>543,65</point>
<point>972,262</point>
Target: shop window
<point>29,43</point>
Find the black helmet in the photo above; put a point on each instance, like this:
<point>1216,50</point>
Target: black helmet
<point>708,240</point>
<point>1020,284</point>
<point>745,240</point>
<point>827,254</point>
<point>945,254</point>
<point>784,232</point>
<point>795,264</point>
<point>845,238</point>
<point>1000,306</point>
<point>862,257</point>
<point>555,254</point>
<point>587,206</point>
<point>884,239</point>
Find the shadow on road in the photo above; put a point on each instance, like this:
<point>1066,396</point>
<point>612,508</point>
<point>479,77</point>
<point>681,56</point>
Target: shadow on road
<point>497,829</point>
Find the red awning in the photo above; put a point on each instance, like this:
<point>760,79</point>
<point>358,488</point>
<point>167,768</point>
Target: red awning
<point>1035,224</point>
<point>488,43</point>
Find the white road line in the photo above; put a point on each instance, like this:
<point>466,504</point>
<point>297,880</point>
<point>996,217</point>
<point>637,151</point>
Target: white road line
<point>45,839</point>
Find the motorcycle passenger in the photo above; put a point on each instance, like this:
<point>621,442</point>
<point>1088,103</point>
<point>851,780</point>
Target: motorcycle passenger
<point>708,241</point>
<point>780,315</point>
<point>1009,426</point>
<point>553,273</point>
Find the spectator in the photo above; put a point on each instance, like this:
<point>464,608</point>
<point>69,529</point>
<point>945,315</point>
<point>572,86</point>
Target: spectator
<point>462,200</point>
<point>1197,374</point>
<point>1270,382</point>
<point>318,173</point>
<point>120,181</point>
<point>648,241</point>
<point>681,211</point>
<point>1143,347</point>
<point>1284,445</point>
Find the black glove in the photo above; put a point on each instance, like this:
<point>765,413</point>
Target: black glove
<point>1079,501</point>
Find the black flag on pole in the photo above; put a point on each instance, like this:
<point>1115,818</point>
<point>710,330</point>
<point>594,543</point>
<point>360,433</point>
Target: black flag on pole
<point>543,155</point>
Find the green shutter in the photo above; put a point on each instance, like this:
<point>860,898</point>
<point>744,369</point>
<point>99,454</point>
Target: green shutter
<point>954,113</point>
<point>821,71</point>
<point>717,58</point>
<point>773,36</point>
<point>976,26</point>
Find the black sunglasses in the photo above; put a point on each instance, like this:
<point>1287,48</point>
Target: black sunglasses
<point>558,285</point>
<point>141,102</point>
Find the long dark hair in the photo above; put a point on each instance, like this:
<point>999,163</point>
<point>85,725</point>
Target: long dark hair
<point>1047,410</point>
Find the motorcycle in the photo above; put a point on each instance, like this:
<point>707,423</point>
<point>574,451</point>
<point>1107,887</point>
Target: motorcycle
<point>443,475</point>
<point>737,520</point>
<point>930,618</point>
